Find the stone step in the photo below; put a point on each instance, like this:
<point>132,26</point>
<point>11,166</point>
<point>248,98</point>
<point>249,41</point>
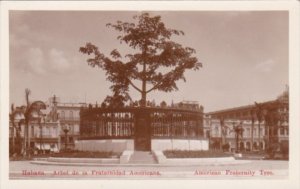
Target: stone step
<point>140,157</point>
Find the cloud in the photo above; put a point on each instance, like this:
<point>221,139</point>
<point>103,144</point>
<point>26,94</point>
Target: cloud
<point>36,60</point>
<point>58,60</point>
<point>265,66</point>
<point>26,46</point>
<point>17,42</point>
<point>41,61</point>
<point>22,29</point>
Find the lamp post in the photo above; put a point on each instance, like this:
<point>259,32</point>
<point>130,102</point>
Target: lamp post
<point>238,132</point>
<point>66,129</point>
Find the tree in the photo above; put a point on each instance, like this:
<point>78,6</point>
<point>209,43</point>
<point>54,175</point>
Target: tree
<point>157,62</point>
<point>273,121</point>
<point>163,104</point>
<point>223,131</point>
<point>259,115</point>
<point>30,111</point>
<point>252,112</point>
<point>12,121</point>
<point>15,115</point>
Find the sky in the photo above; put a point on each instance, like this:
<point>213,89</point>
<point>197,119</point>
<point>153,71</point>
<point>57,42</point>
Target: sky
<point>244,55</point>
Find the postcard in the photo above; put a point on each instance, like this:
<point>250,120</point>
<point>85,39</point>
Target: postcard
<point>154,94</point>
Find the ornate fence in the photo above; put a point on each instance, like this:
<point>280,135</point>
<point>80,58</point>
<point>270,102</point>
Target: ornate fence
<point>129,122</point>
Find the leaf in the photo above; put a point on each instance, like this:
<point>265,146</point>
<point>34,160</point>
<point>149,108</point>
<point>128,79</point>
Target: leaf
<point>115,54</point>
<point>151,49</point>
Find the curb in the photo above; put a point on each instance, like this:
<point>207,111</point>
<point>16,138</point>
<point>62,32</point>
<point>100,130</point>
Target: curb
<point>234,162</point>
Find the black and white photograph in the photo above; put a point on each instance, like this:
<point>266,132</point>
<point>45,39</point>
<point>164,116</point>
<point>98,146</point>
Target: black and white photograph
<point>146,94</point>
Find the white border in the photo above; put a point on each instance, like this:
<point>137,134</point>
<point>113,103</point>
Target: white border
<point>291,6</point>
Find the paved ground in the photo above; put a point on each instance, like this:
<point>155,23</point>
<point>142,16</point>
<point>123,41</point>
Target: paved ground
<point>256,169</point>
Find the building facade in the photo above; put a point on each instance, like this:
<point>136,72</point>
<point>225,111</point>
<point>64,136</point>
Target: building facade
<point>43,133</point>
<point>69,118</point>
<point>263,126</point>
<point>56,128</point>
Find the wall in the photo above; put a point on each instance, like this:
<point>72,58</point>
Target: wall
<point>117,145</point>
<point>179,144</point>
<point>120,145</point>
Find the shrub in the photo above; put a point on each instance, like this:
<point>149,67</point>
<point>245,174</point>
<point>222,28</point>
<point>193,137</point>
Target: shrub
<point>225,147</point>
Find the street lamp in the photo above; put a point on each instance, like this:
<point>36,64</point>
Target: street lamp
<point>66,129</point>
<point>238,132</point>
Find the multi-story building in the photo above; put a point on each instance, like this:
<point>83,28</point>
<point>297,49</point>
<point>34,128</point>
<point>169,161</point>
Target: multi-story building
<point>44,135</point>
<point>57,127</point>
<point>263,125</point>
<point>69,117</point>
<point>43,132</point>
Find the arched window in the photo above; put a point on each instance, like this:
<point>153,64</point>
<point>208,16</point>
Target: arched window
<point>63,114</point>
<point>216,131</point>
<point>71,114</point>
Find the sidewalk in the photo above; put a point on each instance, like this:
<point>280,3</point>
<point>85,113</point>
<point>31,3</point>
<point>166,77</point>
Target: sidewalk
<point>259,169</point>
<point>191,164</point>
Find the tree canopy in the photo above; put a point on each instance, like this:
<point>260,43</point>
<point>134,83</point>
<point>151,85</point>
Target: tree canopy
<point>157,62</point>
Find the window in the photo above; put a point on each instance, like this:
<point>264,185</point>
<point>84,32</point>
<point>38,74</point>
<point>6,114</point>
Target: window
<point>248,132</point>
<point>47,133</point>
<point>54,134</point>
<point>70,129</point>
<point>32,131</point>
<point>262,132</point>
<point>268,130</point>
<point>51,132</point>
<point>76,129</point>
<point>281,131</point>
<point>62,114</point>
<point>216,130</point>
<point>71,114</point>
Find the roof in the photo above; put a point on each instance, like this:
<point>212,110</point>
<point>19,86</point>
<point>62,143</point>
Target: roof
<point>245,107</point>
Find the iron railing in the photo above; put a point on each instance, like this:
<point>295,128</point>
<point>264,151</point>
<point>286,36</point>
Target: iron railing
<point>107,123</point>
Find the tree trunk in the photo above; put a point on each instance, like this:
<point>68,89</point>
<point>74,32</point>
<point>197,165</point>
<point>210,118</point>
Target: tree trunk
<point>143,100</point>
<point>269,142</point>
<point>25,140</point>
<point>28,139</point>
<point>13,139</point>
<point>252,128</point>
<point>259,146</point>
<point>144,92</point>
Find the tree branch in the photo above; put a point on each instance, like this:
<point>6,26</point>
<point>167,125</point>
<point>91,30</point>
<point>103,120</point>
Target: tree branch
<point>134,86</point>
<point>154,87</point>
